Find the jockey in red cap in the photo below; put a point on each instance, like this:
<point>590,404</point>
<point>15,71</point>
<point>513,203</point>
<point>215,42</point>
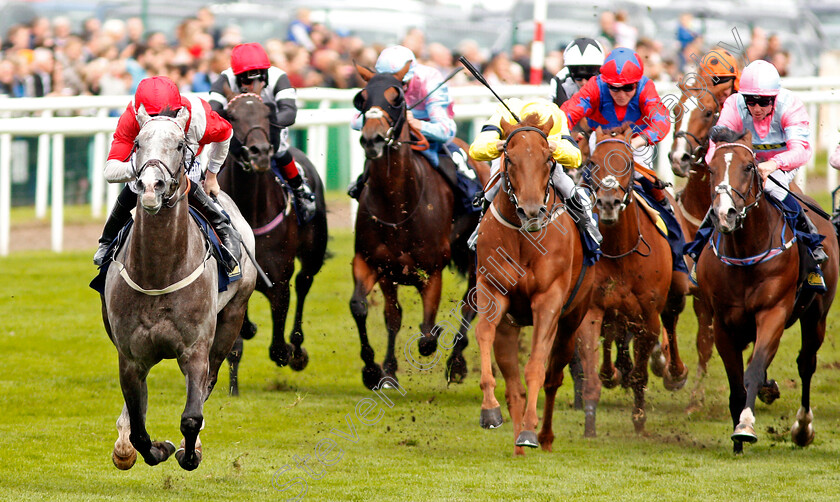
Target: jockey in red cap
<point>251,71</point>
<point>620,94</point>
<point>160,96</point>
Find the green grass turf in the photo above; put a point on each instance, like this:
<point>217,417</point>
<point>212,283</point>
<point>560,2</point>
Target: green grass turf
<point>60,397</point>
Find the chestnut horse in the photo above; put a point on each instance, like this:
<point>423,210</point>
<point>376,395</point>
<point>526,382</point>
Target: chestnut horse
<point>749,274</point>
<point>407,230</point>
<point>267,207</point>
<point>531,272</point>
<point>161,298</point>
<point>633,281</point>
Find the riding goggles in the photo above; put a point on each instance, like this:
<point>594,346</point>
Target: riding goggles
<point>752,100</point>
<point>625,87</point>
<point>721,80</point>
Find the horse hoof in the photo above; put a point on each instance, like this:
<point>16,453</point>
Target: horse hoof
<point>527,439</point>
<point>657,361</point>
<point>299,363</point>
<point>611,382</point>
<point>279,354</point>
<point>802,431</point>
<point>124,463</point>
<point>492,418</point>
<point>672,383</point>
<point>456,369</point>
<point>248,331</point>
<point>427,345</point>
<point>769,392</point>
<point>188,462</point>
<point>546,440</point>
<point>744,433</point>
<point>233,391</point>
<point>371,376</point>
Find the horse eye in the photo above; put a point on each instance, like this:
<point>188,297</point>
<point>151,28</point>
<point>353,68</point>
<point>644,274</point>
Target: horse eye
<point>708,114</point>
<point>181,145</point>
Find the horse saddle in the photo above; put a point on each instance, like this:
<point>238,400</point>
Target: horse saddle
<point>211,240</point>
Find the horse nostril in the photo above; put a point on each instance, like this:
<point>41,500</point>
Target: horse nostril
<point>159,186</point>
<point>254,150</point>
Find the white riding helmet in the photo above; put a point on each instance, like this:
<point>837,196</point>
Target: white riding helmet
<point>760,78</point>
<point>583,52</point>
<point>392,60</point>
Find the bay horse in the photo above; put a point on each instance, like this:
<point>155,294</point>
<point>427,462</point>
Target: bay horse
<point>280,237</point>
<point>632,280</point>
<point>531,272</point>
<point>406,229</point>
<point>161,298</point>
<point>749,274</point>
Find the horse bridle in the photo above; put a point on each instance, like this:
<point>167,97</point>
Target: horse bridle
<point>396,113</point>
<point>241,155</point>
<point>727,189</point>
<point>610,182</point>
<point>507,186</point>
<point>699,151</point>
<point>173,179</point>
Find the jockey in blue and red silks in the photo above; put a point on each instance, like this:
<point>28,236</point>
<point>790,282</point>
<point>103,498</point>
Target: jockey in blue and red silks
<point>621,94</point>
<point>781,136</point>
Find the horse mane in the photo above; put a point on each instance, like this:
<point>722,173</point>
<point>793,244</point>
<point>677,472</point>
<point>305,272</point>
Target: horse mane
<point>531,120</point>
<point>619,130</point>
<point>724,134</point>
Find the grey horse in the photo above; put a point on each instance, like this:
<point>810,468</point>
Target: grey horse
<point>161,299</point>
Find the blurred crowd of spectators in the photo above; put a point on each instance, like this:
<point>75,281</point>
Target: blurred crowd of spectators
<point>47,57</point>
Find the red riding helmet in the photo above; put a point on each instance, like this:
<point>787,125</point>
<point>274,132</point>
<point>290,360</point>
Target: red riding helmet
<point>247,57</point>
<point>157,94</point>
<point>622,66</point>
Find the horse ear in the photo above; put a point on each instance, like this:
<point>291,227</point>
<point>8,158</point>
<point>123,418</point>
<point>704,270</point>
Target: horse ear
<point>549,124</point>
<point>506,127</point>
<point>365,72</point>
<point>747,139</point>
<point>182,116</point>
<point>142,116</point>
<point>227,91</point>
<point>400,74</point>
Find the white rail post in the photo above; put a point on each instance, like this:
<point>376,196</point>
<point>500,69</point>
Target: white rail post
<point>42,176</point>
<point>57,222</point>
<point>357,165</point>
<point>97,184</point>
<point>5,191</point>
<point>113,190</point>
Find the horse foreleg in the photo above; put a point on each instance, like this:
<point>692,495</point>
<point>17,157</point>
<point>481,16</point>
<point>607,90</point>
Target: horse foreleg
<point>364,279</point>
<point>303,283</point>
<point>705,347</point>
<point>588,337</point>
<point>546,309</point>
<point>234,358</point>
<point>561,355</point>
<point>278,296</point>
<point>430,292</point>
<point>813,333</point>
<point>492,310</point>
<point>456,365</point>
<point>133,384</point>
<point>675,373</point>
<point>733,363</point>
<point>609,374</point>
<point>506,349</point>
<point>197,372</point>
<point>228,343</point>
<point>644,340</point>
<point>124,454</point>
<point>393,322</point>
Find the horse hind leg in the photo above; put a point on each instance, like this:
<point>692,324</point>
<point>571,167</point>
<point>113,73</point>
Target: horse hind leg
<point>456,364</point>
<point>642,346</point>
<point>300,357</point>
<point>705,348</point>
<point>430,291</point>
<point>675,373</point>
<point>124,454</point>
<point>813,332</point>
<point>133,383</point>
<point>559,358</point>
<point>278,296</point>
<point>233,359</point>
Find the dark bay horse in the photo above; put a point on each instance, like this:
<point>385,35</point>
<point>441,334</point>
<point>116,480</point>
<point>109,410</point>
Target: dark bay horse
<point>406,229</point>
<point>632,281</point>
<point>531,272</point>
<point>749,274</point>
<point>268,208</point>
<point>161,299</point>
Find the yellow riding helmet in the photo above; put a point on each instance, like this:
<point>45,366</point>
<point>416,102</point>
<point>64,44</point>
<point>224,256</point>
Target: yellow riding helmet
<point>721,63</point>
<point>543,108</point>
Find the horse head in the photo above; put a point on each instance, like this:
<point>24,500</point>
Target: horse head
<point>611,169</point>
<point>383,109</point>
<point>251,120</point>
<point>736,184</point>
<point>527,168</point>
<point>160,151</point>
<point>691,141</point>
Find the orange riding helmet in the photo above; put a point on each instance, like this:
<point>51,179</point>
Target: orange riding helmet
<point>719,64</point>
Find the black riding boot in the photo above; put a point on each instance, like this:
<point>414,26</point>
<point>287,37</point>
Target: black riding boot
<point>227,234</point>
<point>355,188</point>
<point>120,214</point>
<point>804,224</point>
<point>701,237</point>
